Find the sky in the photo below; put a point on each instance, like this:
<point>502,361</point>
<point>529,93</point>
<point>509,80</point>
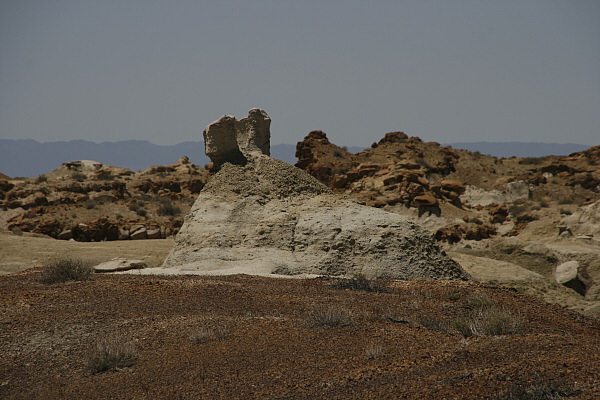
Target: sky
<point>443,70</point>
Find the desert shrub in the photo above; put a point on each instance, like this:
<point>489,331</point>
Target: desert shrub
<point>566,200</point>
<point>433,323</point>
<point>532,160</point>
<point>454,295</point>
<point>421,161</point>
<point>462,326</point>
<point>79,177</point>
<point>330,316</point>
<point>338,153</point>
<point>495,321</point>
<point>90,204</point>
<point>475,220</point>
<point>110,353</point>
<point>515,209</point>
<point>64,270</point>
<point>207,332</point>
<point>478,300</point>
<point>361,282</point>
<point>41,179</point>
<point>564,211</point>
<point>539,391</point>
<point>168,208</point>
<point>141,212</point>
<point>374,351</point>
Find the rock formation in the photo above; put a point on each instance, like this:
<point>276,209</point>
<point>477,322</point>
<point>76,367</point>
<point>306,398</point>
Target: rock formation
<point>259,215</point>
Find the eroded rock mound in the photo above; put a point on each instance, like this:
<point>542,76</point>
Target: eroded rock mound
<point>263,216</point>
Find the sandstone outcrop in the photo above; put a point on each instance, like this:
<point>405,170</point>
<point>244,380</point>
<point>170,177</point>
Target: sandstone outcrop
<point>259,215</point>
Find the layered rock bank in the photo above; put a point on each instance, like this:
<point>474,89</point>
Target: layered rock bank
<point>259,215</point>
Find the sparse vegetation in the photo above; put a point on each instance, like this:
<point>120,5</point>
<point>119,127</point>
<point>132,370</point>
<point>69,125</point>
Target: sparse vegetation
<point>477,301</point>
<point>329,316</point>
<point>79,177</point>
<point>421,161</point>
<point>462,326</point>
<point>532,160</point>
<point>41,179</point>
<point>486,318</point>
<point>361,282</point>
<point>565,211</point>
<point>105,175</point>
<point>209,331</point>
<point>111,353</point>
<point>494,321</point>
<point>64,270</point>
<point>515,209</point>
<point>141,212</point>
<point>374,351</point>
<point>566,200</point>
<point>90,204</point>
<point>338,153</point>
<point>168,208</point>
<point>540,391</point>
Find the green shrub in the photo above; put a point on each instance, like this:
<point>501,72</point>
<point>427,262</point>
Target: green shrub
<point>111,353</point>
<point>64,270</point>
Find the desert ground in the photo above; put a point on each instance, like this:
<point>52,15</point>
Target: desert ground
<point>244,337</point>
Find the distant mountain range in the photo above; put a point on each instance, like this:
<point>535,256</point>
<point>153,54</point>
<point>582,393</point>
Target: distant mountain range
<point>520,149</point>
<point>30,158</point>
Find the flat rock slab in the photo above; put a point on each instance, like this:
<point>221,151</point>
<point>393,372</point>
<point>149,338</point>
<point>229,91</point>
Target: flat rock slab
<point>484,270</point>
<point>120,264</point>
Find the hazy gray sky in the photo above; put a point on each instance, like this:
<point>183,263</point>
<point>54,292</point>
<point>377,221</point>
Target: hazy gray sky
<point>504,70</point>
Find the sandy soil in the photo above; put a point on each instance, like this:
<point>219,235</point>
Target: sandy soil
<point>20,252</point>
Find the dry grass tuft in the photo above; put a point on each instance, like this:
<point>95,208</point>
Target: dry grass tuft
<point>209,331</point>
<point>495,321</point>
<point>374,351</point>
<point>111,353</point>
<point>64,270</point>
<point>362,282</point>
<point>331,316</point>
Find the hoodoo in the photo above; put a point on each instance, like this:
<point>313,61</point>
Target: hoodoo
<point>259,215</point>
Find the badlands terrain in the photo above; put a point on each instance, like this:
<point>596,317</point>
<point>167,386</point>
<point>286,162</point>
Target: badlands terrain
<point>399,254</point>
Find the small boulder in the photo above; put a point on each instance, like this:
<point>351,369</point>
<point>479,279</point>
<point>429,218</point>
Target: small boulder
<point>453,186</point>
<point>140,233</point>
<point>153,233</point>
<point>569,274</point>
<point>67,234</point>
